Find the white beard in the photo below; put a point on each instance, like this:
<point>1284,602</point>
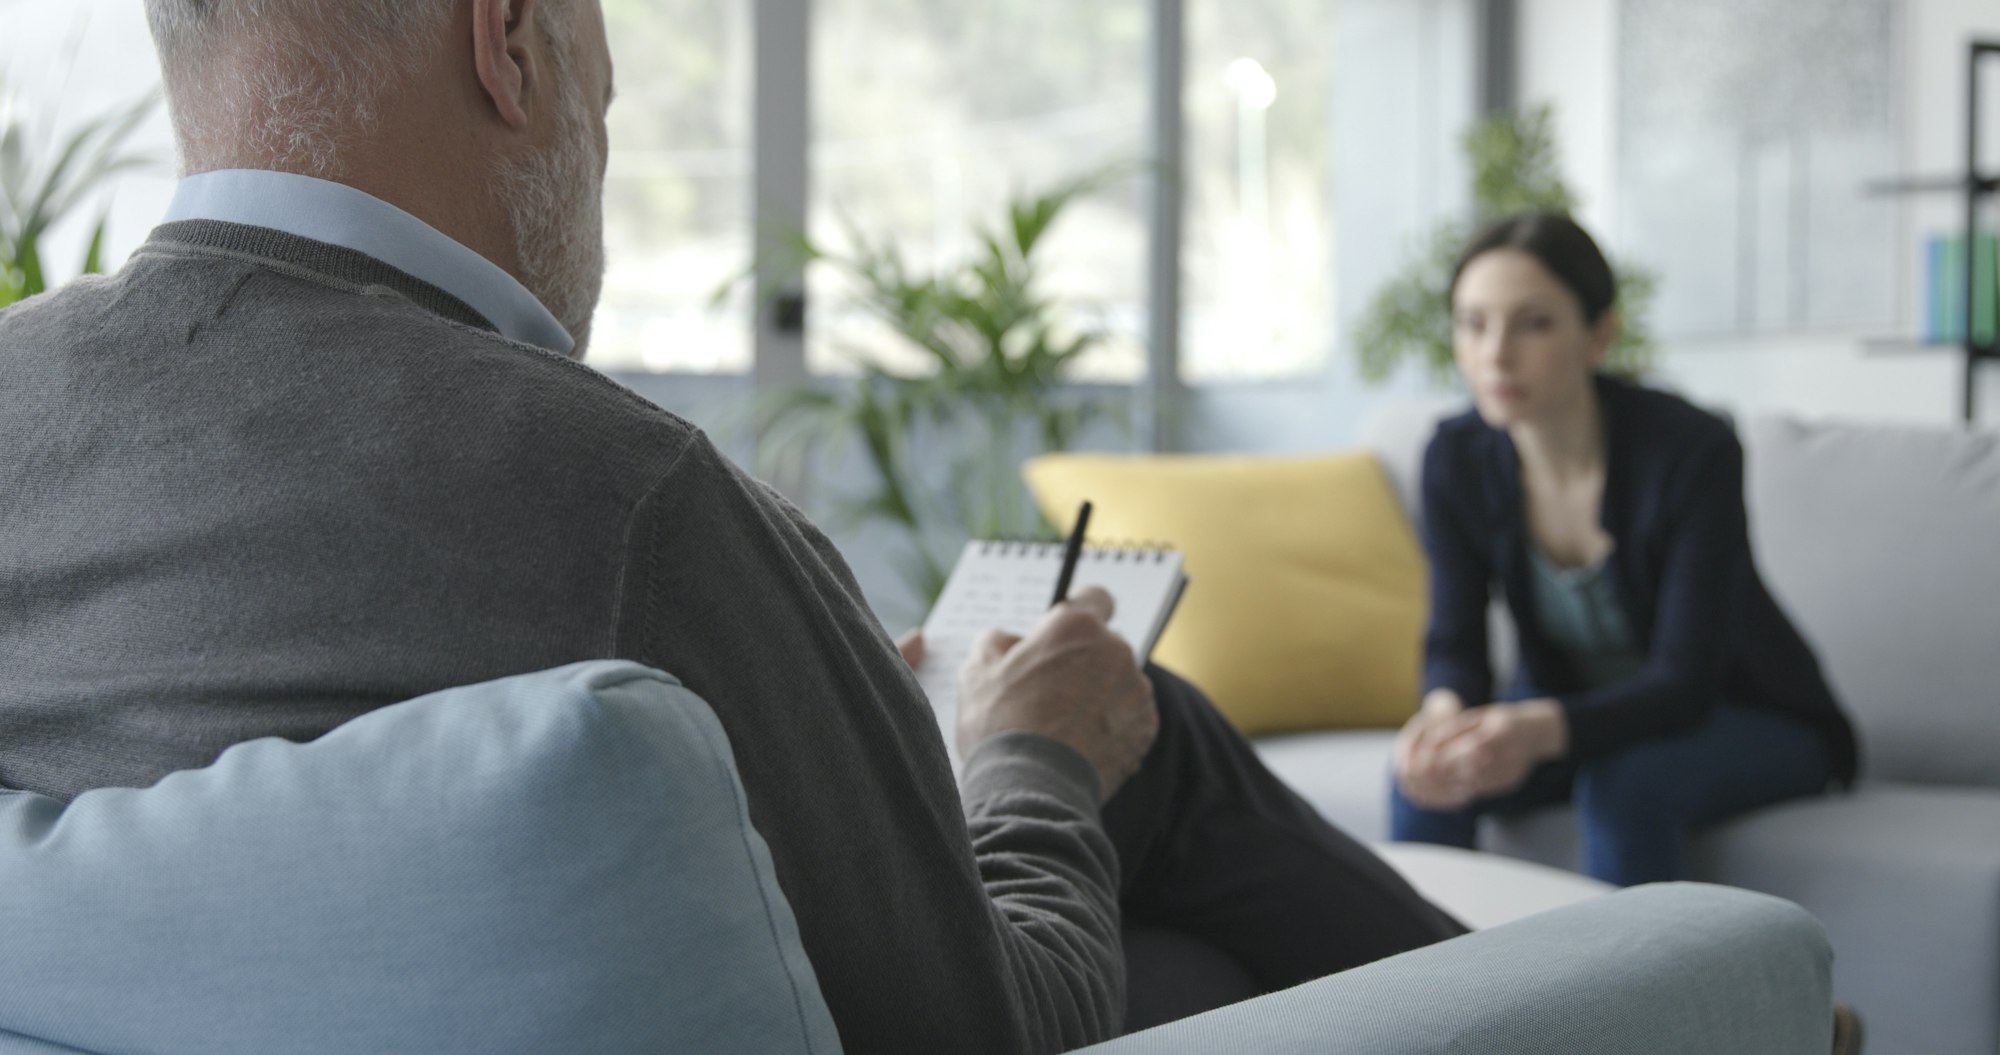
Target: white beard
<point>555,206</point>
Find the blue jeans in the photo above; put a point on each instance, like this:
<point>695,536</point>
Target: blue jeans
<point>1636,809</point>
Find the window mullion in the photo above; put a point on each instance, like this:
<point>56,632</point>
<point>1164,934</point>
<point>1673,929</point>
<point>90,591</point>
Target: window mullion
<point>1160,396</point>
<point>781,133</point>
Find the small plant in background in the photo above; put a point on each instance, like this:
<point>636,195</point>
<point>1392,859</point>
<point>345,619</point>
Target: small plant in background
<point>1513,157</point>
<point>43,181</point>
<point>995,346</point>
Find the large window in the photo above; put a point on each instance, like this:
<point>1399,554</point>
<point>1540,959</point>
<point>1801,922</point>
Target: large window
<point>929,116</point>
<point>1258,260</point>
<point>677,197</point>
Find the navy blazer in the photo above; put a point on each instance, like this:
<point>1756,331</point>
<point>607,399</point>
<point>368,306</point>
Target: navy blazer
<point>1682,571</point>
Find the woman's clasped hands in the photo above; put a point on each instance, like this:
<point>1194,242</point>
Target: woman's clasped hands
<point>1450,755</point>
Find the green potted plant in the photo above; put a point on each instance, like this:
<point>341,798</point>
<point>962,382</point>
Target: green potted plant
<point>943,445</point>
<point>1514,169</point>
<point>39,188</point>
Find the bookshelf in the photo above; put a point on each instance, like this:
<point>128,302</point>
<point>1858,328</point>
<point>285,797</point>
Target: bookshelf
<point>1977,187</point>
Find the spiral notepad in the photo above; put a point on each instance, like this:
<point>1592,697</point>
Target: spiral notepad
<point>1008,585</point>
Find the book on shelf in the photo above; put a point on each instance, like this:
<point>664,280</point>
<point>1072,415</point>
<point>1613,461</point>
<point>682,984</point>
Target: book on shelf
<point>1944,289</point>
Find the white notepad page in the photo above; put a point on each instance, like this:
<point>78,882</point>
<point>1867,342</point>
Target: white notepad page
<point>1008,586</point>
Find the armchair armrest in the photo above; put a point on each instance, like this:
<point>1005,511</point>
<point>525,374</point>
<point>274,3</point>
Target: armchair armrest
<point>1656,970</point>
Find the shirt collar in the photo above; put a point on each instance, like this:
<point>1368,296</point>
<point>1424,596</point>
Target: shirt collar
<point>340,215</point>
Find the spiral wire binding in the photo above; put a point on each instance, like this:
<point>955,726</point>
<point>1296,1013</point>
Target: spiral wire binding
<point>1117,552</point>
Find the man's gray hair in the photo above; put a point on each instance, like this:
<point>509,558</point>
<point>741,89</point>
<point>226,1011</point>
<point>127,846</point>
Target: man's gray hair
<point>290,79</point>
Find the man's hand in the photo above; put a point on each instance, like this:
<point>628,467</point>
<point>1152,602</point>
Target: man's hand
<point>1071,679</point>
<point>911,645</point>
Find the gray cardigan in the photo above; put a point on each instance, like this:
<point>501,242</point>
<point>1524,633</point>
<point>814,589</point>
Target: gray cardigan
<point>256,485</point>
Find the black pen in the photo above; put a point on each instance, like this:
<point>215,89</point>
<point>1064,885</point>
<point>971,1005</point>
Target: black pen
<point>1071,551</point>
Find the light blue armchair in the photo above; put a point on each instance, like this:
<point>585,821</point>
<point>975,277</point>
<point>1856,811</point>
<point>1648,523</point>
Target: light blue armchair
<point>562,862</point>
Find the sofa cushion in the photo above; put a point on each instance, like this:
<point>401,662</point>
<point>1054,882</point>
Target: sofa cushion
<point>1671,968</point>
<point>1398,429</point>
<point>1344,775</point>
<point>555,862</point>
<point>1306,602</point>
<point>1486,890</point>
<point>1880,543</point>
<point>1905,877</point>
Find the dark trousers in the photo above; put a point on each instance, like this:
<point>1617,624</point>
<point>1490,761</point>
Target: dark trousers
<point>1215,848</point>
<point>1636,809</point>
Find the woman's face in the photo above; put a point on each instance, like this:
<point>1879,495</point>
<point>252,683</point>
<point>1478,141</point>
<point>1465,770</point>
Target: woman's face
<point>1522,344</point>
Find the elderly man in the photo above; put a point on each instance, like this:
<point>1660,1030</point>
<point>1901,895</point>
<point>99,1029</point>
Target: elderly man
<point>325,444</point>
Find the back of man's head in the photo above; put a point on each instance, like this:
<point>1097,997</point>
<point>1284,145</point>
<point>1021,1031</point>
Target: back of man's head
<point>484,118</point>
<point>286,80</point>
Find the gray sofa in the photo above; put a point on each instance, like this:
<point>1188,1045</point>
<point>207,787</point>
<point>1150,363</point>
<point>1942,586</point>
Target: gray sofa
<point>1884,544</point>
<point>1678,968</point>
<point>563,862</point>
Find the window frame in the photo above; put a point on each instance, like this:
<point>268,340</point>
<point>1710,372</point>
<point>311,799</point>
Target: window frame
<point>781,91</point>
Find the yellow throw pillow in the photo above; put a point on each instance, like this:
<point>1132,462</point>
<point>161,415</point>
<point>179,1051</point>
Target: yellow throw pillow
<point>1305,606</point>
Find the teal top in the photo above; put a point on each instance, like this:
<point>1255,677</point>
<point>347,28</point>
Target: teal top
<point>1579,613</point>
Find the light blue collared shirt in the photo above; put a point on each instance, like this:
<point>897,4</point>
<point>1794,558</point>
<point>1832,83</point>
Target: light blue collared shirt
<point>340,215</point>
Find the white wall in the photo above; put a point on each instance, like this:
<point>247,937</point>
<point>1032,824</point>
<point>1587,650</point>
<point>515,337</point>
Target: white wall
<point>70,61</point>
<point>1568,49</point>
<point>1567,57</point>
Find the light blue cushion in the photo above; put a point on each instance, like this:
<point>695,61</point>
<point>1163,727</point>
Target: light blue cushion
<point>559,862</point>
<point>1673,969</point>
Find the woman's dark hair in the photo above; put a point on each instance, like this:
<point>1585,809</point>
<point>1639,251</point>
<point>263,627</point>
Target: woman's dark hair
<point>1563,247</point>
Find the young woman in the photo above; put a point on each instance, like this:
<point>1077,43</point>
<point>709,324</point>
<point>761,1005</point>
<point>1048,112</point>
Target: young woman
<point>1660,687</point>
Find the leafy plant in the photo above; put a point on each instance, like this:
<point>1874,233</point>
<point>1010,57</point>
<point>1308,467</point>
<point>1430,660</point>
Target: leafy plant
<point>38,189</point>
<point>1514,170</point>
<point>994,345</point>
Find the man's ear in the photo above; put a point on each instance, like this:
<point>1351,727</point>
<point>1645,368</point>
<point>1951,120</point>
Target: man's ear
<point>506,65</point>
